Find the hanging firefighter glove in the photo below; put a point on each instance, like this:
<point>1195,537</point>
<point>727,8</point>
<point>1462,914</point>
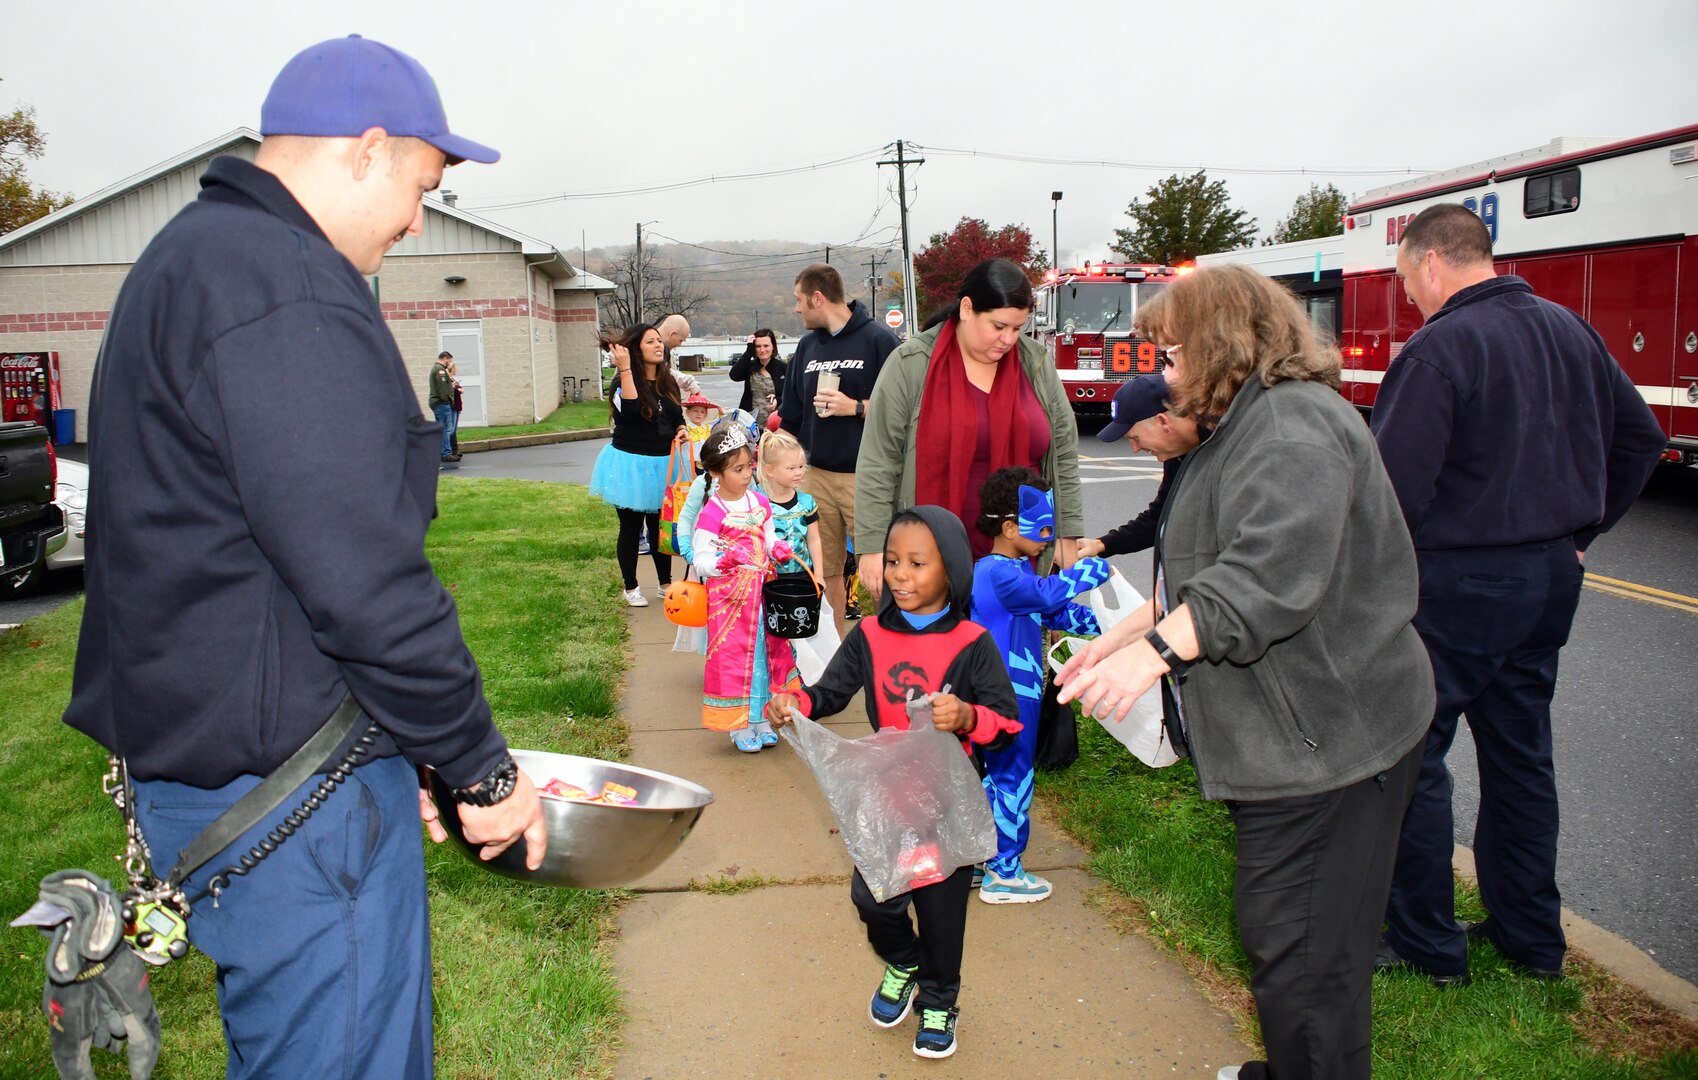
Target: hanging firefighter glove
<point>97,989</point>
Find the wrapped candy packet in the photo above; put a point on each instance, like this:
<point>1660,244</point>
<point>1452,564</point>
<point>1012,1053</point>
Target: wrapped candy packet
<point>612,794</point>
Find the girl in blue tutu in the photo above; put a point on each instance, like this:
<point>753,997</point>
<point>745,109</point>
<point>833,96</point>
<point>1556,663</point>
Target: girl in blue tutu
<point>630,472</point>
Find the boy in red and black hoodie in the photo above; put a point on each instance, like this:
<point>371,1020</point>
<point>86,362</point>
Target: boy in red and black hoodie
<point>921,642</point>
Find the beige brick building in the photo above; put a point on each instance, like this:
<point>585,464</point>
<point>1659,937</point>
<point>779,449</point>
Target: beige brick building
<point>519,319</point>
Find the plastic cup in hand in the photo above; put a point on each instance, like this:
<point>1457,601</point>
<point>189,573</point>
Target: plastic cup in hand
<point>828,383</point>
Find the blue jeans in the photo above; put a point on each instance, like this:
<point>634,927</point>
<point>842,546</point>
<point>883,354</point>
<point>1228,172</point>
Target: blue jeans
<point>446,416</point>
<point>323,950</point>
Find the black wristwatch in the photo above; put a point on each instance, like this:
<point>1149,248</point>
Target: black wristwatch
<point>492,788</point>
<point>860,410</point>
<point>1165,651</point>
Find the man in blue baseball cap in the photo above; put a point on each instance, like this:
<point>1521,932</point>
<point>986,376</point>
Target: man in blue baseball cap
<point>1139,414</point>
<point>265,481</point>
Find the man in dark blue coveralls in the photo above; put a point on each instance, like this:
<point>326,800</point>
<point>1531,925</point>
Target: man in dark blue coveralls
<point>251,564</point>
<point>1513,440</point>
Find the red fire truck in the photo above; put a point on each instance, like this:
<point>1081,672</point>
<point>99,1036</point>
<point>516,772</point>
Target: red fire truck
<point>1083,318</point>
<point>1608,229</point>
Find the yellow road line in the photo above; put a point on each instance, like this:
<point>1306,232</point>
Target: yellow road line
<point>1642,588</point>
<point>1631,594</point>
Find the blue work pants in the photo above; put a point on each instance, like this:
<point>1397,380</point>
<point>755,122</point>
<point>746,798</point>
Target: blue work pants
<point>323,950</point>
<point>1493,621</point>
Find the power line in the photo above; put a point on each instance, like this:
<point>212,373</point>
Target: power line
<point>675,185</point>
<point>996,155</point>
<point>796,259</point>
<point>770,260</point>
<point>739,254</point>
<point>1239,170</point>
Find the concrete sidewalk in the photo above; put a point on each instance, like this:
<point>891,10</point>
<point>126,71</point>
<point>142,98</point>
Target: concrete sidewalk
<point>774,981</point>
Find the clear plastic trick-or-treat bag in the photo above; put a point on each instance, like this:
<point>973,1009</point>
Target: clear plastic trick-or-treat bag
<point>909,804</point>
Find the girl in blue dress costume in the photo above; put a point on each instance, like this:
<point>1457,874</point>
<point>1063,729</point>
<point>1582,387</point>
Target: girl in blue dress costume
<point>1016,605</point>
<point>783,463</point>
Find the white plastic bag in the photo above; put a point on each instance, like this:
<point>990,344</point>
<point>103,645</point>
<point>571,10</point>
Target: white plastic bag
<point>1142,731</point>
<point>1113,600</point>
<point>690,639</point>
<point>909,804</point>
<point>814,653</point>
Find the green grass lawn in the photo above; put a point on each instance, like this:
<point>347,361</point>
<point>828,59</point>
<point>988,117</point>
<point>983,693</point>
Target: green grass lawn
<point>1167,856</point>
<point>572,416</point>
<point>524,984</point>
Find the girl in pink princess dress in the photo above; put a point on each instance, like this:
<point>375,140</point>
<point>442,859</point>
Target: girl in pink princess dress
<point>736,547</point>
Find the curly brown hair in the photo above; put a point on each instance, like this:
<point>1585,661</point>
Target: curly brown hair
<point>1234,323</point>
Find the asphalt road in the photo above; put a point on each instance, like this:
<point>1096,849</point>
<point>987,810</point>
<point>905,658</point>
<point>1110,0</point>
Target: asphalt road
<point>1626,744</point>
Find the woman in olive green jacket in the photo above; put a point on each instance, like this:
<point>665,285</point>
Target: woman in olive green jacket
<point>942,418</point>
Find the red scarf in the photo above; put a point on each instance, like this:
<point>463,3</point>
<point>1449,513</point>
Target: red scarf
<point>949,423</point>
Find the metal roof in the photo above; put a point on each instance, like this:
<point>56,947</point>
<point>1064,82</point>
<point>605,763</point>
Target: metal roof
<point>114,224</point>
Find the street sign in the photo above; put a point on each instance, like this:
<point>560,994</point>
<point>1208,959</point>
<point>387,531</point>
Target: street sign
<point>893,318</point>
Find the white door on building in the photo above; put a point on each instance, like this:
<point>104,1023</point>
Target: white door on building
<point>464,338</point>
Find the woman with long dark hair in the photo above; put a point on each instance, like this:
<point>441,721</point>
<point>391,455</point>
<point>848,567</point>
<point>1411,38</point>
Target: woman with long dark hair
<point>762,373</point>
<point>968,395</point>
<point>630,471</point>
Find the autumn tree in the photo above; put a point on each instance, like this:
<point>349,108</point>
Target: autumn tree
<point>666,290</point>
<point>941,266</point>
<point>1317,212</point>
<point>21,202</point>
<point>1186,216</point>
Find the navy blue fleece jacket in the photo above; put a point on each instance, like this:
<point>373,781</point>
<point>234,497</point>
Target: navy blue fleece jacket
<point>857,354</point>
<point>1505,421</point>
<point>261,481</point>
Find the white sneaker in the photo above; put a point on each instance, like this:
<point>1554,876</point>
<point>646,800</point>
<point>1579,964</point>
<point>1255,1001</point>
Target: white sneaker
<point>1023,888</point>
<point>660,592</point>
<point>1228,1072</point>
<point>635,597</point>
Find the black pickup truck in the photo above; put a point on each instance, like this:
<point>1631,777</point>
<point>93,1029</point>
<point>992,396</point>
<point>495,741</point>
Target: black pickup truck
<point>31,524</point>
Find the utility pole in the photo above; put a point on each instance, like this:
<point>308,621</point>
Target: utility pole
<point>1054,231</point>
<point>828,254</point>
<point>874,261</point>
<point>902,162</point>
<point>637,277</point>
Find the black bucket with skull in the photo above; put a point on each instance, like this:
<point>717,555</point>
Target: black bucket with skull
<point>792,605</point>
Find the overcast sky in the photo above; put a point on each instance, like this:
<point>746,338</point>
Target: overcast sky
<point>584,98</point>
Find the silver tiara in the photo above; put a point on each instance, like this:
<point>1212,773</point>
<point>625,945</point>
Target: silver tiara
<point>733,438</point>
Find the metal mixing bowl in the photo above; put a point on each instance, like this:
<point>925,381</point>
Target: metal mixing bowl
<point>592,845</point>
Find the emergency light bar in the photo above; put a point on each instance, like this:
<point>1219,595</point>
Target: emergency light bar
<point>1130,273</point>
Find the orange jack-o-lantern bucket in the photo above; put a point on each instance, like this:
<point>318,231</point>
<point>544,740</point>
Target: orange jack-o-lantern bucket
<point>686,603</point>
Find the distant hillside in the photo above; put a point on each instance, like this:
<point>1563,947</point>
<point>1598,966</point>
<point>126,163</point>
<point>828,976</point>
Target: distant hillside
<point>748,282</point>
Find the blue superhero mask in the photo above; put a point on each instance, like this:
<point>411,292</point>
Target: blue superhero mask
<point>1037,514</point>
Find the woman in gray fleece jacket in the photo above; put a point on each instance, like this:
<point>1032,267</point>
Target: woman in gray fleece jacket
<point>1280,626</point>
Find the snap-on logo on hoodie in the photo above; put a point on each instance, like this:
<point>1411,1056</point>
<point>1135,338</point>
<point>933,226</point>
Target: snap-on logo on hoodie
<point>835,365</point>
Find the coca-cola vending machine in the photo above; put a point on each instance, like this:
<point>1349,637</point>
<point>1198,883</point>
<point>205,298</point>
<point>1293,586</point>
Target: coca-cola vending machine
<point>29,387</point>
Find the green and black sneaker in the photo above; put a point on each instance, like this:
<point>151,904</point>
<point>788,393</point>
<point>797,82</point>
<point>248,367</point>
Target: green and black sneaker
<point>894,996</point>
<point>936,1037</point>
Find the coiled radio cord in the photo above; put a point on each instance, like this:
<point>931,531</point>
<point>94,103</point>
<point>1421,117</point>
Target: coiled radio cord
<point>292,821</point>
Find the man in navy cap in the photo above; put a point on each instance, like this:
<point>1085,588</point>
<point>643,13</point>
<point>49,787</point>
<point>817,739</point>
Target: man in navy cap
<point>255,562</point>
<point>1139,414</point>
